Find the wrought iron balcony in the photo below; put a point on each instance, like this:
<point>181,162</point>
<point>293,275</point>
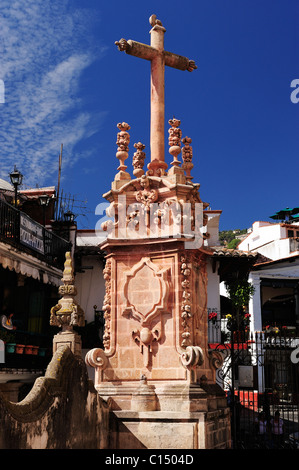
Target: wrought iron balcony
<point>27,235</point>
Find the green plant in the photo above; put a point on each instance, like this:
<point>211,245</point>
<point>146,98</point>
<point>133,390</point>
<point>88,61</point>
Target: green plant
<point>7,336</point>
<point>233,243</point>
<point>240,292</point>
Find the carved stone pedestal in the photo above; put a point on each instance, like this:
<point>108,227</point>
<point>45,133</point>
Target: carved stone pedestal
<point>167,416</point>
<point>70,339</point>
<point>156,372</point>
<point>171,430</point>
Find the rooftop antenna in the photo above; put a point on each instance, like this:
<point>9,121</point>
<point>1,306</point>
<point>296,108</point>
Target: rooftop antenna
<point>59,175</point>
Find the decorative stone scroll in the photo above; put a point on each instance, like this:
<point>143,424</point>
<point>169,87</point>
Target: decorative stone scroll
<point>216,359</point>
<point>96,358</point>
<point>192,357</point>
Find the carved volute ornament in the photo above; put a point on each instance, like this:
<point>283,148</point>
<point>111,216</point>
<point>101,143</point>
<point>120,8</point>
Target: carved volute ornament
<point>67,313</point>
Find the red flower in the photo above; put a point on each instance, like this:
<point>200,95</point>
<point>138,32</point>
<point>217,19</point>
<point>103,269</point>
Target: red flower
<point>212,316</point>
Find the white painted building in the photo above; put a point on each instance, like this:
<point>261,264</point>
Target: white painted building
<point>276,276</point>
<point>212,228</point>
<point>275,241</point>
<point>89,272</point>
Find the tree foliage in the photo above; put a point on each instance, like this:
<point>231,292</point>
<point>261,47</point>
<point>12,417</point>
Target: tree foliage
<point>240,292</point>
<point>227,236</point>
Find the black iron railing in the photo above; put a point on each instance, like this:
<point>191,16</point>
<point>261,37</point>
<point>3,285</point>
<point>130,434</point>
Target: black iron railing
<point>19,230</point>
<point>260,375</point>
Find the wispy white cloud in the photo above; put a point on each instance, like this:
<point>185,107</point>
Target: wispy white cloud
<point>45,47</point>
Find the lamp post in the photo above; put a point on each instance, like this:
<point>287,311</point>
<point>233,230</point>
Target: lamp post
<point>16,180</point>
<point>69,216</point>
<point>44,200</point>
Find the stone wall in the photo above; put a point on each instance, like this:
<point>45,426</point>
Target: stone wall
<point>62,411</point>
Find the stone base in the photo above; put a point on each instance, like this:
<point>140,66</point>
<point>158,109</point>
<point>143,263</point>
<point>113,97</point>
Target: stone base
<point>173,397</point>
<point>176,175</point>
<point>167,415</point>
<point>170,430</point>
<point>70,339</point>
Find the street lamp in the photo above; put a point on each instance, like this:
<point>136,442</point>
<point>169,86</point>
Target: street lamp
<point>16,180</point>
<point>69,216</point>
<point>44,200</point>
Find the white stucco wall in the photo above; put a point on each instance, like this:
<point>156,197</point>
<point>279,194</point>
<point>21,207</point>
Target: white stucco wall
<point>213,227</point>
<point>90,283</point>
<point>262,234</point>
<point>213,289</point>
<point>270,240</point>
<point>277,249</point>
<point>90,286</point>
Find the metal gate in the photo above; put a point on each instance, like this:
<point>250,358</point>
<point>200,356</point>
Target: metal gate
<point>261,377</point>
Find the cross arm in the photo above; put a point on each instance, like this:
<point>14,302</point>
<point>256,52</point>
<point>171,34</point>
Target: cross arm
<point>136,48</point>
<point>179,62</point>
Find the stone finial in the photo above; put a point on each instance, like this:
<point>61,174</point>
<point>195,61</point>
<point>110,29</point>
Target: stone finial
<point>174,140</point>
<point>187,155</point>
<point>154,21</point>
<point>122,44</point>
<point>138,160</point>
<point>123,139</point>
<point>67,313</point>
<point>191,66</point>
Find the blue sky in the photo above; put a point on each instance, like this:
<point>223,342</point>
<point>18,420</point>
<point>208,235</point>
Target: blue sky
<point>66,82</point>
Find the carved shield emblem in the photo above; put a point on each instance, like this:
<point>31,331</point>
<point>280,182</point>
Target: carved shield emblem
<point>146,291</point>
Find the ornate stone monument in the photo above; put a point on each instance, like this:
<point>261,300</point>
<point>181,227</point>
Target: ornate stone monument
<point>155,368</point>
<point>67,313</point>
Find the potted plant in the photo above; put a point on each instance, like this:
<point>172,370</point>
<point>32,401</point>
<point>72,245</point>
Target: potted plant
<point>212,317</point>
<point>20,343</point>
<point>240,291</point>
<point>8,337</point>
<point>28,349</point>
<point>35,350</point>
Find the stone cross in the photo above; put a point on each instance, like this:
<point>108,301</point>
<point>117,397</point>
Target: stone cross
<point>159,58</point>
